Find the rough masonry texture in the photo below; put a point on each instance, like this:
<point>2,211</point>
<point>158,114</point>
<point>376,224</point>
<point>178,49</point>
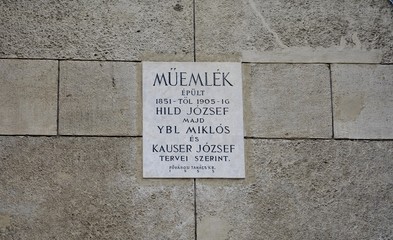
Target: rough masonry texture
<point>87,188</point>
<point>318,119</point>
<point>296,31</point>
<point>95,29</point>
<point>304,189</point>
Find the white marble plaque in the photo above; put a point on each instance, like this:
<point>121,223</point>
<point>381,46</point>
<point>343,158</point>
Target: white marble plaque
<point>192,120</point>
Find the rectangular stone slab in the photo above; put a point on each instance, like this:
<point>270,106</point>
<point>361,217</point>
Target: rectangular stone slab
<point>306,189</point>
<point>87,187</point>
<point>287,101</point>
<point>316,31</point>
<point>363,101</point>
<point>99,98</point>
<point>28,97</point>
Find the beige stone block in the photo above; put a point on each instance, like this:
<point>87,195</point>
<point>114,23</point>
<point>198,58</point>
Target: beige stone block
<point>28,97</point>
<point>96,29</point>
<point>87,188</point>
<point>100,98</point>
<point>287,101</point>
<point>363,101</point>
<point>296,31</point>
<point>302,189</point>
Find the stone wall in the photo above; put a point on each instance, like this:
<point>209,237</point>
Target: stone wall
<point>318,115</point>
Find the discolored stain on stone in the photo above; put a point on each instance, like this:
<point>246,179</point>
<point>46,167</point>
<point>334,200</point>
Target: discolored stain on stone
<point>178,7</point>
<point>5,222</point>
<point>211,227</point>
<point>350,107</point>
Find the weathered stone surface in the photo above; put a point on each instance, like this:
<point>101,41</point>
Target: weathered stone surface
<point>96,29</point>
<point>363,101</point>
<point>296,31</point>
<point>306,189</point>
<point>100,98</point>
<point>287,100</point>
<point>87,188</point>
<point>28,97</point>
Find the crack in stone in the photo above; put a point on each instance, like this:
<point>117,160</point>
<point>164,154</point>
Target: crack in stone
<point>266,25</point>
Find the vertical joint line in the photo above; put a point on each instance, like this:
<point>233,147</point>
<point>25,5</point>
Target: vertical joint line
<point>331,97</point>
<point>194,27</point>
<point>195,211</point>
<point>58,97</point>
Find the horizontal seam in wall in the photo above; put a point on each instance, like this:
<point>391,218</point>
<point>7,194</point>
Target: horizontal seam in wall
<point>71,59</point>
<point>57,136</point>
<point>139,61</point>
<point>338,63</point>
<point>255,138</point>
<point>320,139</point>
